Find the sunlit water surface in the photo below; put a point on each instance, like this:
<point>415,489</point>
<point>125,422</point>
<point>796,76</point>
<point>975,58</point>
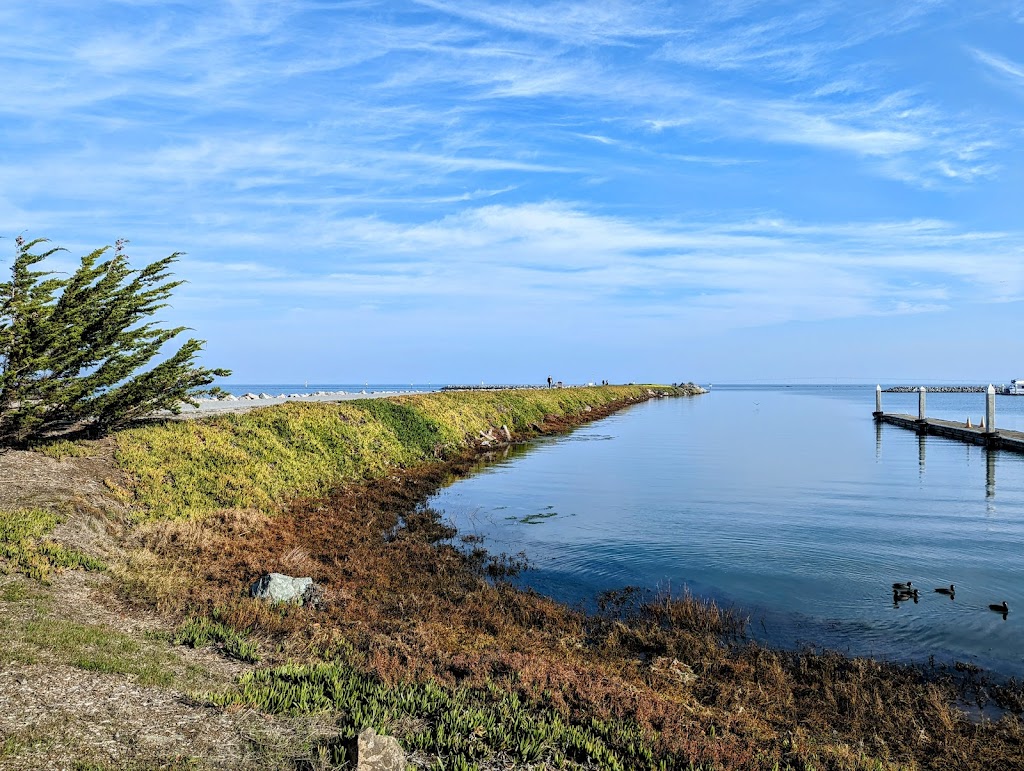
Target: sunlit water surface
<point>787,502</point>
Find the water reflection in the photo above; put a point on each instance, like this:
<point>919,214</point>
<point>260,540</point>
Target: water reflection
<point>904,596</point>
<point>990,473</point>
<point>921,451</point>
<point>803,529</point>
<point>922,457</point>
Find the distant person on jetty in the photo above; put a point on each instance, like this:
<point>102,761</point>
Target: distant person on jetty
<point>549,382</point>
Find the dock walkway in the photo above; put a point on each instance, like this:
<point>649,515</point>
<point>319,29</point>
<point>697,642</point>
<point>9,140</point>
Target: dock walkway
<point>1000,439</point>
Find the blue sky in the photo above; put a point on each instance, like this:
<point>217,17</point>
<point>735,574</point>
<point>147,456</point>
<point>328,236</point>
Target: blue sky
<point>444,191</point>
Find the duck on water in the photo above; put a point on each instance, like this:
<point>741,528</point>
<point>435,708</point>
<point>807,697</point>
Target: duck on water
<point>901,595</point>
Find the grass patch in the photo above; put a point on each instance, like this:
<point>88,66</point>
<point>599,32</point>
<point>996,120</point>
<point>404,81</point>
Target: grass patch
<point>262,458</point>
<point>30,738</point>
<point>63,448</point>
<point>34,633</point>
<point>167,764</point>
<point>200,632</point>
<point>99,649</point>
<point>25,549</point>
<point>13,592</point>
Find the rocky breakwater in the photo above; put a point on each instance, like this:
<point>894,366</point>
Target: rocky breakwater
<point>960,389</point>
<point>227,402</point>
<point>263,396</point>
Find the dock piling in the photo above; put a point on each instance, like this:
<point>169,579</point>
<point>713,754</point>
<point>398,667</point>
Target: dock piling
<point>985,433</point>
<point>990,410</point>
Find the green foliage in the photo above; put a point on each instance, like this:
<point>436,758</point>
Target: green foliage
<point>262,458</point>
<point>200,632</point>
<point>461,727</point>
<point>73,350</point>
<point>414,432</point>
<point>24,548</point>
<point>62,448</point>
<point>257,459</point>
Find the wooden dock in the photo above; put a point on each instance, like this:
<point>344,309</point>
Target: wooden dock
<point>986,435</point>
<point>998,440</point>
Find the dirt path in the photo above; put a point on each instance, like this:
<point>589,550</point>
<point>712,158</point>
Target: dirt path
<point>85,679</point>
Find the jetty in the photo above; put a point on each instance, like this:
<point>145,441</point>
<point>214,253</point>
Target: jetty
<point>496,387</point>
<point>985,434</point>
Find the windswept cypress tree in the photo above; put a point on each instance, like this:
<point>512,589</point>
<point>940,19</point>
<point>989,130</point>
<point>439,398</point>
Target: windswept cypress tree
<point>73,351</point>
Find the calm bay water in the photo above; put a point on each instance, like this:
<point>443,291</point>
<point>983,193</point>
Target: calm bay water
<point>787,502</point>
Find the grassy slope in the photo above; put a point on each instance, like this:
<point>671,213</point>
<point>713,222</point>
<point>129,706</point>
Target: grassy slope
<point>416,641</point>
<point>262,458</point>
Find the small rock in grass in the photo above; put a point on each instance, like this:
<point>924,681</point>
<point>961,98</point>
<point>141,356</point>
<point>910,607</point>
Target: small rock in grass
<point>379,753</point>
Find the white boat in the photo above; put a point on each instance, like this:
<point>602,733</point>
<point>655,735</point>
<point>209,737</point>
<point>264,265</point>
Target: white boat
<point>1016,388</point>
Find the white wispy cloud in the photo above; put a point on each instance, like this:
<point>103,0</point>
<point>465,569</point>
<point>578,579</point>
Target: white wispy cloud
<point>597,160</point>
<point>577,23</point>
<point>767,46</point>
<point>743,273</point>
<point>241,58</point>
<point>1004,66</point>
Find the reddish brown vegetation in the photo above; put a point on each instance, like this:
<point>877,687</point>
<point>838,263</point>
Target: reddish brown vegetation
<point>406,603</point>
